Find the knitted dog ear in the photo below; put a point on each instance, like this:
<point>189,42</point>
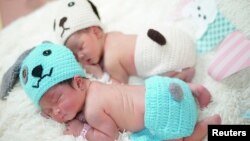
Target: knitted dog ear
<point>94,9</point>
<point>10,77</point>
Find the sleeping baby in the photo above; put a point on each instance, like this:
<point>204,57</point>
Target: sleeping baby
<point>164,50</point>
<point>163,108</point>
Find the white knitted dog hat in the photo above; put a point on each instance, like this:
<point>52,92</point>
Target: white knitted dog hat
<point>74,15</point>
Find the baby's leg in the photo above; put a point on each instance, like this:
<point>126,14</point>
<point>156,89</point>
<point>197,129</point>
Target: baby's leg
<point>201,128</point>
<point>200,131</point>
<point>201,93</point>
<point>185,75</point>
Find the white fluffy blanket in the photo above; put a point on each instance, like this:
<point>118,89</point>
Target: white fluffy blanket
<point>20,120</point>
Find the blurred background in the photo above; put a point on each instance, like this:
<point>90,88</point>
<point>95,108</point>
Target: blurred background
<point>11,10</point>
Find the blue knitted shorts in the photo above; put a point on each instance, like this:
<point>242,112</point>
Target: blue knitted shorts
<point>170,110</point>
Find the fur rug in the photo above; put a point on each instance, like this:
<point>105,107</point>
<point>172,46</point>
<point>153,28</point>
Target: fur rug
<point>20,120</point>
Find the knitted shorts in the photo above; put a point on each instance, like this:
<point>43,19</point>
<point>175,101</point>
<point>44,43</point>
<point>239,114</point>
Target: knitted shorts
<point>152,58</point>
<point>170,110</point>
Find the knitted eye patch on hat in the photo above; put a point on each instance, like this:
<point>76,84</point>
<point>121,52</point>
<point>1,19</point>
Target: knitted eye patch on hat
<point>74,15</point>
<point>45,66</point>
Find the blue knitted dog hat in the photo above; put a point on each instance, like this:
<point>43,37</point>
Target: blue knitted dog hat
<point>45,66</point>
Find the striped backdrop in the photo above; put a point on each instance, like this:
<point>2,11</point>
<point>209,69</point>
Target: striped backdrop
<point>232,56</point>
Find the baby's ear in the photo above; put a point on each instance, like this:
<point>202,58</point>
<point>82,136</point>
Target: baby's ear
<point>97,31</point>
<point>78,82</point>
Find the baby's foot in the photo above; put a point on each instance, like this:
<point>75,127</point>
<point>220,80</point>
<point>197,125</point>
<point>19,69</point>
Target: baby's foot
<point>187,74</point>
<point>201,93</point>
<point>200,131</point>
<point>73,127</point>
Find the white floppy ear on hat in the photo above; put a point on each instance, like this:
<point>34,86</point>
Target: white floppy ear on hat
<point>74,15</point>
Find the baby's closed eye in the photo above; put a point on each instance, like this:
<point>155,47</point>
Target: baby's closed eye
<point>59,98</point>
<point>45,115</point>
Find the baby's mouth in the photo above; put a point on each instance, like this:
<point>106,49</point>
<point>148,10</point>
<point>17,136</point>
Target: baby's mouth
<point>89,61</point>
<point>61,119</point>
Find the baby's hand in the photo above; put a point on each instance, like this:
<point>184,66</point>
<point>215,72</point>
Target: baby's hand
<point>96,70</point>
<point>80,117</point>
<point>73,127</point>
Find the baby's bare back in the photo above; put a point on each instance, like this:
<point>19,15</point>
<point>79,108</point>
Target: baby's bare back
<point>119,54</point>
<point>128,109</point>
<point>124,104</point>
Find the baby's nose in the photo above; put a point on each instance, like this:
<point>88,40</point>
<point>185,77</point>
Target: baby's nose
<point>56,111</point>
<point>83,59</point>
<point>80,55</point>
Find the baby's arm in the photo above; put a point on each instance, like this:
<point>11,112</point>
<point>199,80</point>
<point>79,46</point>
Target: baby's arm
<point>117,72</point>
<point>103,128</point>
<point>106,129</point>
<point>99,74</point>
<point>95,70</point>
<point>74,127</point>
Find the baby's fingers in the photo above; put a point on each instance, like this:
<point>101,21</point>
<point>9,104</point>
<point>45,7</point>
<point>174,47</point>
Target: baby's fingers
<point>67,131</point>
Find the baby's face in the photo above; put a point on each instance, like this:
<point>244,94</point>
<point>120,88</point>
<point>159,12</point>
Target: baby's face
<point>86,47</point>
<point>61,102</point>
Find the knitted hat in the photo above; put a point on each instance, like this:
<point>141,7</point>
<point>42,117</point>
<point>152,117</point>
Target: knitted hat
<point>45,66</point>
<point>74,15</point>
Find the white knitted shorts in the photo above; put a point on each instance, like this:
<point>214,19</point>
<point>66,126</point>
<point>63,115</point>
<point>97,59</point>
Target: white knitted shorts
<point>151,58</point>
